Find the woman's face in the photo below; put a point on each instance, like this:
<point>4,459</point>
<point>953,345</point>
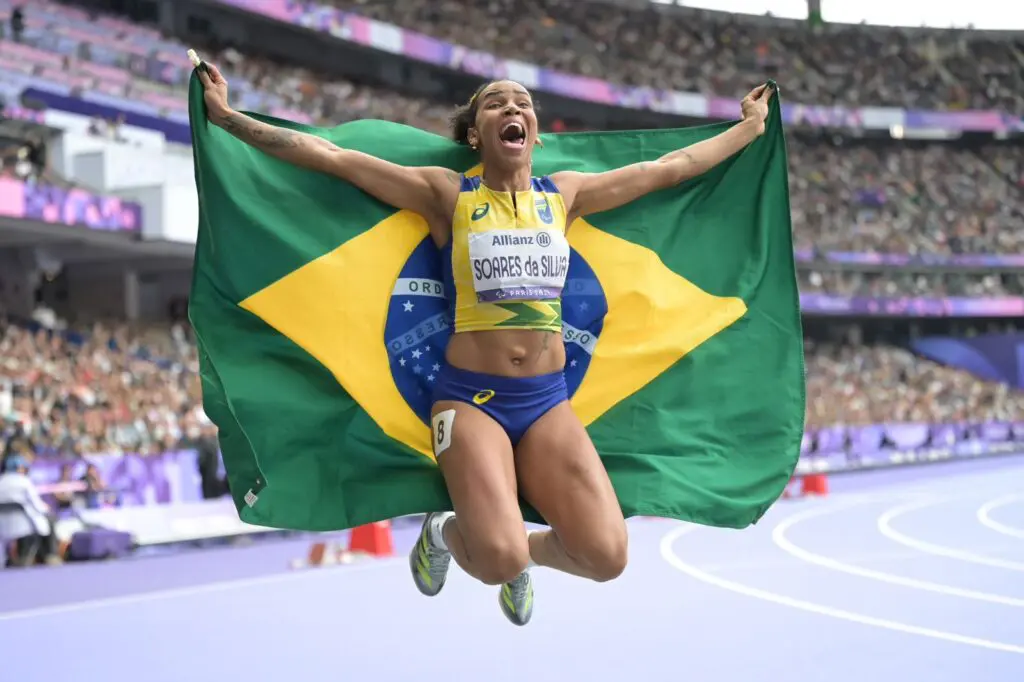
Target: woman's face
<point>506,123</point>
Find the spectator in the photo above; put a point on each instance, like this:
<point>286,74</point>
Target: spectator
<point>17,23</point>
<point>65,496</point>
<point>34,526</point>
<point>213,484</point>
<point>94,494</point>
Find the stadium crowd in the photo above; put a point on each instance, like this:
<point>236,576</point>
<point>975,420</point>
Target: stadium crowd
<point>898,198</point>
<point>720,54</point>
<point>114,389</point>
<point>898,284</point>
<point>884,197</point>
<point>855,385</point>
<point>110,388</point>
<point>893,197</point>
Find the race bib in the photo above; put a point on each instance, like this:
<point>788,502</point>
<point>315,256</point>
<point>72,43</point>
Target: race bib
<point>523,265</point>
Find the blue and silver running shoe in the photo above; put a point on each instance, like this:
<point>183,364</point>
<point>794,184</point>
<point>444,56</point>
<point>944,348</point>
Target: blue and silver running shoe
<point>516,599</point>
<point>428,562</point>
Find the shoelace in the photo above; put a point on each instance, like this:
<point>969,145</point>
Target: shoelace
<point>520,587</point>
<point>436,563</point>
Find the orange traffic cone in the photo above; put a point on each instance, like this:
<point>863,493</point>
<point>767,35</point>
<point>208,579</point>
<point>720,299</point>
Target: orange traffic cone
<point>373,539</point>
<point>815,484</point>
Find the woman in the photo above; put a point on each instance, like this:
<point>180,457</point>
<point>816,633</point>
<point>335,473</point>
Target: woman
<point>501,421</point>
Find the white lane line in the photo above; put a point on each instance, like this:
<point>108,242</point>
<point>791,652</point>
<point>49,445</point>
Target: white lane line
<point>668,554</point>
<point>786,545</point>
<point>984,515</point>
<point>885,528</point>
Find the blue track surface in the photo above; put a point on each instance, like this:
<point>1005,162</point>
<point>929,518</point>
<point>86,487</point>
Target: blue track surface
<point>913,577</point>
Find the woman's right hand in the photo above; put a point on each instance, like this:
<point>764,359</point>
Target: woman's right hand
<point>215,88</point>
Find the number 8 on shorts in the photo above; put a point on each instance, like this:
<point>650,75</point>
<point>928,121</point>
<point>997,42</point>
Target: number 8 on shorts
<point>441,427</point>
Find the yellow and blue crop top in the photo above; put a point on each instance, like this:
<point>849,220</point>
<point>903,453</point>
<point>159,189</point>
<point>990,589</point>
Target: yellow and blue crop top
<point>507,258</point>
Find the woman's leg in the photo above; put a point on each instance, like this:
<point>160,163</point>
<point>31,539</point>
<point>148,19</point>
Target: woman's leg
<point>560,474</point>
<point>486,536</point>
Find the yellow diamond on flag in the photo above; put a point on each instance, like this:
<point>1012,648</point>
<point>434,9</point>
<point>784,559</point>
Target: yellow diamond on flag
<point>335,308</point>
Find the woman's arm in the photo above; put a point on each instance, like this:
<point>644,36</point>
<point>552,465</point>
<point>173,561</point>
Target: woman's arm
<point>421,190</point>
<point>588,193</point>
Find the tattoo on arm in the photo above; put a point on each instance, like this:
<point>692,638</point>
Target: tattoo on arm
<point>276,141</point>
<point>260,135</point>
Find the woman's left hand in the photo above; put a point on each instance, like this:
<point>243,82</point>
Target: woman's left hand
<point>755,107</point>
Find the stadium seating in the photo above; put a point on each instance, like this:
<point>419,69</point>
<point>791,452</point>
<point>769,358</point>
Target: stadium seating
<point>884,197</point>
<point>111,389</point>
<point>107,388</point>
<point>715,53</point>
<point>116,390</point>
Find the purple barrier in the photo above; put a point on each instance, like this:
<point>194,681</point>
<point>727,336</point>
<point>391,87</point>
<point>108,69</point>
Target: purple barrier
<point>363,31</point>
<point>867,440</point>
<point>907,436</point>
<point>159,479</point>
<point>830,439</point>
<point>968,260</point>
<point>59,206</point>
<point>826,304</point>
<point>982,121</point>
<point>995,432</point>
<point>794,114</point>
<point>947,435</point>
<point>836,442</point>
<point>173,477</point>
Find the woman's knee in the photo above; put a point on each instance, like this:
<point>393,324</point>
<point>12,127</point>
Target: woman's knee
<point>499,558</point>
<point>604,555</point>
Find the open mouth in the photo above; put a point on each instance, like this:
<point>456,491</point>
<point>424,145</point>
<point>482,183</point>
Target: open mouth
<point>513,135</point>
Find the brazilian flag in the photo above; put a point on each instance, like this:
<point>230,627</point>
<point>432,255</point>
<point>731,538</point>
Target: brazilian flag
<point>321,323</point>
